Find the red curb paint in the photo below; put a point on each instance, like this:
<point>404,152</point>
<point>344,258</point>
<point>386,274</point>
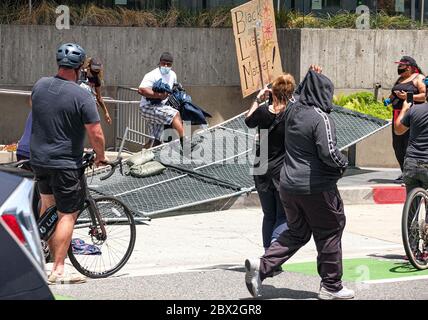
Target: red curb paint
<point>389,195</point>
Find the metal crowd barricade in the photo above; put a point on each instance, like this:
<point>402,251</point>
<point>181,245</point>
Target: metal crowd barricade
<point>220,170</point>
<point>130,125</point>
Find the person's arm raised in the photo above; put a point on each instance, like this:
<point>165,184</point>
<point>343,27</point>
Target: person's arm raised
<point>250,121</point>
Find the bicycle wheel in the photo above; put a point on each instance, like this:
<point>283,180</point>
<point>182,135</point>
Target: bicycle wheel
<point>96,257</point>
<point>414,228</point>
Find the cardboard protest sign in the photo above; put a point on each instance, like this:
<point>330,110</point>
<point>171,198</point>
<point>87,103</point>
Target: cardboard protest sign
<point>256,44</point>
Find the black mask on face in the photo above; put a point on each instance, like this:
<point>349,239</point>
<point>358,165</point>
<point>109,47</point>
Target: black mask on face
<point>401,70</point>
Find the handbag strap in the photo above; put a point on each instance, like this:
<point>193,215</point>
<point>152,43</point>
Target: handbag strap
<point>277,120</point>
<point>279,117</point>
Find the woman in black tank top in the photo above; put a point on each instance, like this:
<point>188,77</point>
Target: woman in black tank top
<point>410,80</point>
<point>93,74</point>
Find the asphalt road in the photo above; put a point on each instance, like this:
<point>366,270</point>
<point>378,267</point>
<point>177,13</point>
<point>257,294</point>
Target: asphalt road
<point>223,284</point>
<point>200,257</point>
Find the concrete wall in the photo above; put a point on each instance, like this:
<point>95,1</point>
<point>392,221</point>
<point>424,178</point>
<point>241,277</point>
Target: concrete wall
<point>203,57</point>
<point>205,61</point>
<point>377,151</point>
<point>14,111</point>
<point>353,59</point>
<point>357,59</point>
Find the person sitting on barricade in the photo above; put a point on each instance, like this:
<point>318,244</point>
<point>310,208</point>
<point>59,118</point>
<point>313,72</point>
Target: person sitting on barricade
<point>166,104</point>
<point>153,105</point>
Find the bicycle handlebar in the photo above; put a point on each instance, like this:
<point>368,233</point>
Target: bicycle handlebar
<point>23,167</point>
<point>89,159</point>
<point>113,165</point>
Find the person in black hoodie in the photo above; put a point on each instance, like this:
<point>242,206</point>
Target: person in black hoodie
<point>312,166</point>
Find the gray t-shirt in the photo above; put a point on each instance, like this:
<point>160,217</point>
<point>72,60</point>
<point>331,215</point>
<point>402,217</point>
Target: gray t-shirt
<point>416,118</point>
<point>60,111</point>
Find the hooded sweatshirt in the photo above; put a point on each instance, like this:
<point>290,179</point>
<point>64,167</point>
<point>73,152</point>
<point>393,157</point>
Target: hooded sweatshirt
<point>312,161</point>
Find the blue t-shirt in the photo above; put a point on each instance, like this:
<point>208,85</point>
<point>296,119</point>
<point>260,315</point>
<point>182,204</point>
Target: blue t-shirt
<point>23,149</point>
<point>60,111</point>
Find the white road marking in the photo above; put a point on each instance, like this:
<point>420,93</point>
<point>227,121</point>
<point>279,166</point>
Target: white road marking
<point>412,278</point>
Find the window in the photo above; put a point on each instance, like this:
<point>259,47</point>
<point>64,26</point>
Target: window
<point>331,3</point>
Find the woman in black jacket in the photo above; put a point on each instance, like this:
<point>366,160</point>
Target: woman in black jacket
<point>269,119</point>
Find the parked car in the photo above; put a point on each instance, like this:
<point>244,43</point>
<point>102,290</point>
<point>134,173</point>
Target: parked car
<point>22,264</point>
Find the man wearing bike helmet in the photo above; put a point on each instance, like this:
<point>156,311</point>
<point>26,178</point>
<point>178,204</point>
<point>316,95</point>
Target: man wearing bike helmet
<point>63,113</point>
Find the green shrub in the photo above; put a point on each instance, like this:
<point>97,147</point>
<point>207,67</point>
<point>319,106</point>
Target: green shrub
<point>339,21</point>
<point>385,21</point>
<point>364,102</point>
<point>90,14</point>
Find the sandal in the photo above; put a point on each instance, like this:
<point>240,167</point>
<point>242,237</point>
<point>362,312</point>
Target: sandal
<point>66,279</point>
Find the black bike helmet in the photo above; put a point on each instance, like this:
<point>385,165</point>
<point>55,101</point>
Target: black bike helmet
<point>70,55</point>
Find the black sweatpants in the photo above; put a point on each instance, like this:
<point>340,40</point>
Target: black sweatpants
<point>320,214</point>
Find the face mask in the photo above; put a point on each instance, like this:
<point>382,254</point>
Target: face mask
<point>165,70</point>
<point>400,71</point>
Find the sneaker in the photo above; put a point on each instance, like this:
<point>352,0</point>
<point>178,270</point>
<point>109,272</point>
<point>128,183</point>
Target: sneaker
<point>66,279</point>
<point>343,294</point>
<point>252,277</point>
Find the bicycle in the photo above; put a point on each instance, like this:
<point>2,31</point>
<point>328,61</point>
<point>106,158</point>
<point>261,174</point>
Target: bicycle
<point>100,219</point>
<point>414,228</point>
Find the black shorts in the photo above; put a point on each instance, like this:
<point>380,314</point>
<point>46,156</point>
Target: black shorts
<point>68,186</point>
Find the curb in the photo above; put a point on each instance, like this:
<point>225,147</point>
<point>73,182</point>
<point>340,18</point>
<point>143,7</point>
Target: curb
<point>370,194</point>
<point>389,194</point>
<point>374,194</point>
